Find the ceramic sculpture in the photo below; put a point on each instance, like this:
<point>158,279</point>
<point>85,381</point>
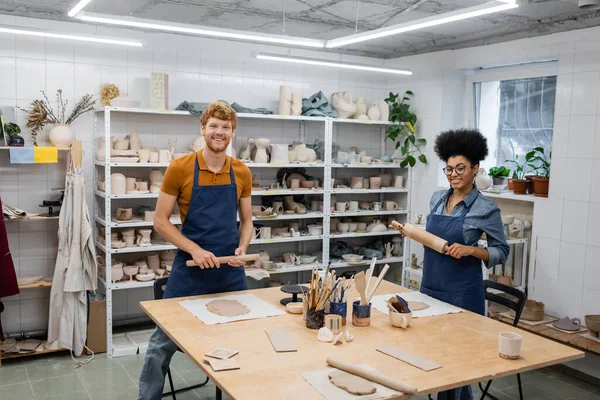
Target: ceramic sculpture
<point>374,114</point>
<point>361,108</point>
<point>384,109</point>
<point>261,155</point>
<point>279,153</point>
<point>246,153</point>
<point>304,154</point>
<point>483,180</point>
<point>296,106</point>
<point>285,100</point>
<point>134,141</point>
<point>342,104</point>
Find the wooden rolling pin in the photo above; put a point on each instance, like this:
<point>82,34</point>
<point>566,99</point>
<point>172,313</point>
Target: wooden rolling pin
<point>226,259</point>
<point>372,376</point>
<point>422,236</point>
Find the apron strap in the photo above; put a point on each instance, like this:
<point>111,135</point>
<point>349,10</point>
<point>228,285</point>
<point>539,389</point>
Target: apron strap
<point>196,171</point>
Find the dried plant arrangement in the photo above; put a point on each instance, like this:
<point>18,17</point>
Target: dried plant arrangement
<point>108,92</point>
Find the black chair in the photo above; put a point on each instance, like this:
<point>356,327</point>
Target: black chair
<point>515,305</point>
<point>159,291</point>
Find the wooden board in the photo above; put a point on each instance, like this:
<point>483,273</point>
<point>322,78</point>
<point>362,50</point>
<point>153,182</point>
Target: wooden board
<point>38,284</point>
<point>412,359</point>
<point>466,344</point>
<point>280,340</point>
<point>578,340</point>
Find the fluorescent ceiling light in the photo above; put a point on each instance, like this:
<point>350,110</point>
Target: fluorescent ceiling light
<point>70,37</point>
<point>200,30</point>
<point>327,63</point>
<point>519,64</point>
<point>469,12</point>
<point>78,7</point>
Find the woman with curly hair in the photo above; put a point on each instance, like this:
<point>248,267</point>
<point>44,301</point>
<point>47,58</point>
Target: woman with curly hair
<point>460,215</point>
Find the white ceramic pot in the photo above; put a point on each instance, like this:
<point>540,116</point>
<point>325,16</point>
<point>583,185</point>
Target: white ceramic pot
<point>279,153</point>
<point>400,320</point>
<point>384,110</point>
<point>118,184</point>
<point>296,105</point>
<point>156,176</point>
<point>509,345</point>
<point>261,150</point>
<point>61,136</point>
<point>483,180</point>
<point>285,100</point>
<point>304,154</point>
<point>374,114</point>
<point>361,107</point>
<point>134,141</point>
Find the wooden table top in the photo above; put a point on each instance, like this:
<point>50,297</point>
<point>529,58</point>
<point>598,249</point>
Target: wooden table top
<point>465,344</point>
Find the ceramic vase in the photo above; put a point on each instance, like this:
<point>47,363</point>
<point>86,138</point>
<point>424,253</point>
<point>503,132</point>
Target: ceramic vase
<point>198,144</point>
<point>134,141</point>
<point>156,176</point>
<point>279,153</point>
<point>374,114</point>
<point>61,136</point>
<point>384,110</point>
<point>100,149</point>
<point>483,180</point>
<point>342,104</point>
<point>361,107</point>
<point>261,155</point>
<point>296,105</point>
<point>285,100</point>
<point>304,154</point>
<point>118,184</point>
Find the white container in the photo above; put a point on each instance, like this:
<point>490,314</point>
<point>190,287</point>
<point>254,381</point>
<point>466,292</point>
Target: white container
<point>118,184</point>
<point>400,320</point>
<point>509,345</point>
<point>61,136</point>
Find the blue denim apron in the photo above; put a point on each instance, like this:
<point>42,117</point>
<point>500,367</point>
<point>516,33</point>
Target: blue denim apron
<point>455,281</point>
<point>211,222</point>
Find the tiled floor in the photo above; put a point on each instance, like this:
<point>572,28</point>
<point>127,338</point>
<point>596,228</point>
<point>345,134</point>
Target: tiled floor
<point>53,377</point>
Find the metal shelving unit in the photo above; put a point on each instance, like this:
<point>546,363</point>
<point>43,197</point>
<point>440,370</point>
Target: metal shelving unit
<point>102,125</point>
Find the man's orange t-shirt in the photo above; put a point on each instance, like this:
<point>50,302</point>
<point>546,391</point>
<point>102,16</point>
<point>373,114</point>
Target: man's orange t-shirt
<point>179,177</point>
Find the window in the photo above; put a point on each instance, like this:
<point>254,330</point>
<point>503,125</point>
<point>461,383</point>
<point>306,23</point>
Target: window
<point>515,116</point>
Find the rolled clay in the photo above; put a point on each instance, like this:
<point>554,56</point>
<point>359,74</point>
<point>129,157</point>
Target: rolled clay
<point>422,236</point>
<point>227,308</point>
<point>226,259</point>
<point>417,305</point>
<point>351,383</point>
<point>372,376</point>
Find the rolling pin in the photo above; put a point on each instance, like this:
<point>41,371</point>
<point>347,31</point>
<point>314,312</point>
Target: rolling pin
<point>226,259</point>
<point>372,376</point>
<point>422,236</point>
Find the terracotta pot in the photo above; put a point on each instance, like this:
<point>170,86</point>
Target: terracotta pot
<point>540,186</point>
<point>519,186</point>
<point>530,188</point>
<point>510,184</point>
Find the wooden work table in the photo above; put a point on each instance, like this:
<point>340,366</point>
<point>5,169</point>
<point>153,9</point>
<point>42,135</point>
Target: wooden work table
<point>465,344</point>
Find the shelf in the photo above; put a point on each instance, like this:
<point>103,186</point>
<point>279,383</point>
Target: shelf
<point>33,353</point>
<point>286,239</point>
<point>509,241</point>
<point>368,262</point>
<point>136,224</point>
<point>366,213</point>
<point>128,196</point>
<point>133,165</point>
<point>128,284</point>
<point>367,191</point>
<point>277,192</point>
<point>362,121</point>
<point>367,165</point>
<point>36,285</point>
<point>363,234</point>
<point>32,218</point>
<point>137,249</point>
<point>511,196</point>
<point>187,114</point>
<point>308,215</point>
<point>285,165</point>
<point>8,147</point>
<point>415,271</point>
<point>295,268</point>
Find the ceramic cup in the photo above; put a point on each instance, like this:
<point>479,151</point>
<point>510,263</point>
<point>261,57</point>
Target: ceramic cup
<point>144,155</point>
<point>124,214</point>
<point>155,189</point>
<point>314,205</point>
<point>343,227</point>
<point>375,182</point>
<point>154,156</point>
<point>142,186</point>
<point>149,216</point>
<point>341,206</point>
<point>353,206</point>
<point>352,226</point>
<point>400,320</point>
<point>265,232</point>
<point>366,183</point>
<point>390,205</point>
<point>128,232</point>
<point>398,181</point>
<point>361,315</point>
<point>340,309</point>
<point>509,345</point>
<point>361,226</point>
<point>376,206</point>
<point>364,205</point>
<point>164,156</point>
<point>132,185</point>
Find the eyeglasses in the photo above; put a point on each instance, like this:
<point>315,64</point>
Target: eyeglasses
<point>460,169</point>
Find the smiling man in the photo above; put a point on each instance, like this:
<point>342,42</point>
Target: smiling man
<point>209,188</point>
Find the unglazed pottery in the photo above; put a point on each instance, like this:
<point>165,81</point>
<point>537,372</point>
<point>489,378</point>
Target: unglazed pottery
<point>261,155</point>
<point>61,136</point>
<point>342,104</point>
<point>118,184</point>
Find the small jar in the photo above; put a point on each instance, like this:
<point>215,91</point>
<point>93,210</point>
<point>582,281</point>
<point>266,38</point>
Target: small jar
<point>361,314</point>
<point>315,319</point>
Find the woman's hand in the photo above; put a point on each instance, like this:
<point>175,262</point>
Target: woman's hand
<point>398,228</point>
<point>235,262</point>
<point>459,250</point>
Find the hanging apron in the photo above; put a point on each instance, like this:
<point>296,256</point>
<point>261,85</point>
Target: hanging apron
<point>455,281</point>
<point>211,222</point>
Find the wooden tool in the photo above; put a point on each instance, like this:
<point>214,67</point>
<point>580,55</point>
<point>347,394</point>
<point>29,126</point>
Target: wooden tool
<point>369,274</point>
<point>422,236</point>
<point>378,282</point>
<point>361,286</point>
<point>372,376</point>
<point>226,259</point>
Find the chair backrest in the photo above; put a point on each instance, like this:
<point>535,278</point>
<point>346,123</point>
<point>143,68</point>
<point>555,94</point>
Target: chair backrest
<point>516,306</point>
<point>159,287</point>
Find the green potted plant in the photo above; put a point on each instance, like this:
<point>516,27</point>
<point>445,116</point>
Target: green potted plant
<point>519,182</point>
<point>541,180</point>
<point>404,132</point>
<point>499,175</point>
<point>11,130</point>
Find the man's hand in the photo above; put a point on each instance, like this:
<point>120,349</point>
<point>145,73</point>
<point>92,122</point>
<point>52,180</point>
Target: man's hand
<point>237,263</point>
<point>459,250</point>
<point>205,259</point>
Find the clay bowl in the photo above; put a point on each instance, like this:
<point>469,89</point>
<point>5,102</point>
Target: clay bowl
<point>352,257</point>
<point>145,277</point>
<point>533,311</point>
<point>308,184</point>
<point>294,307</point>
<point>593,324</point>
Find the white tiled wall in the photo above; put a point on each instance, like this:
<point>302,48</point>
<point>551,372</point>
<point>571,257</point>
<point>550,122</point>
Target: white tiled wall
<point>199,70</point>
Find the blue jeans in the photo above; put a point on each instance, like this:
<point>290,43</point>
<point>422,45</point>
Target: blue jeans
<point>461,393</point>
<point>158,357</point>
